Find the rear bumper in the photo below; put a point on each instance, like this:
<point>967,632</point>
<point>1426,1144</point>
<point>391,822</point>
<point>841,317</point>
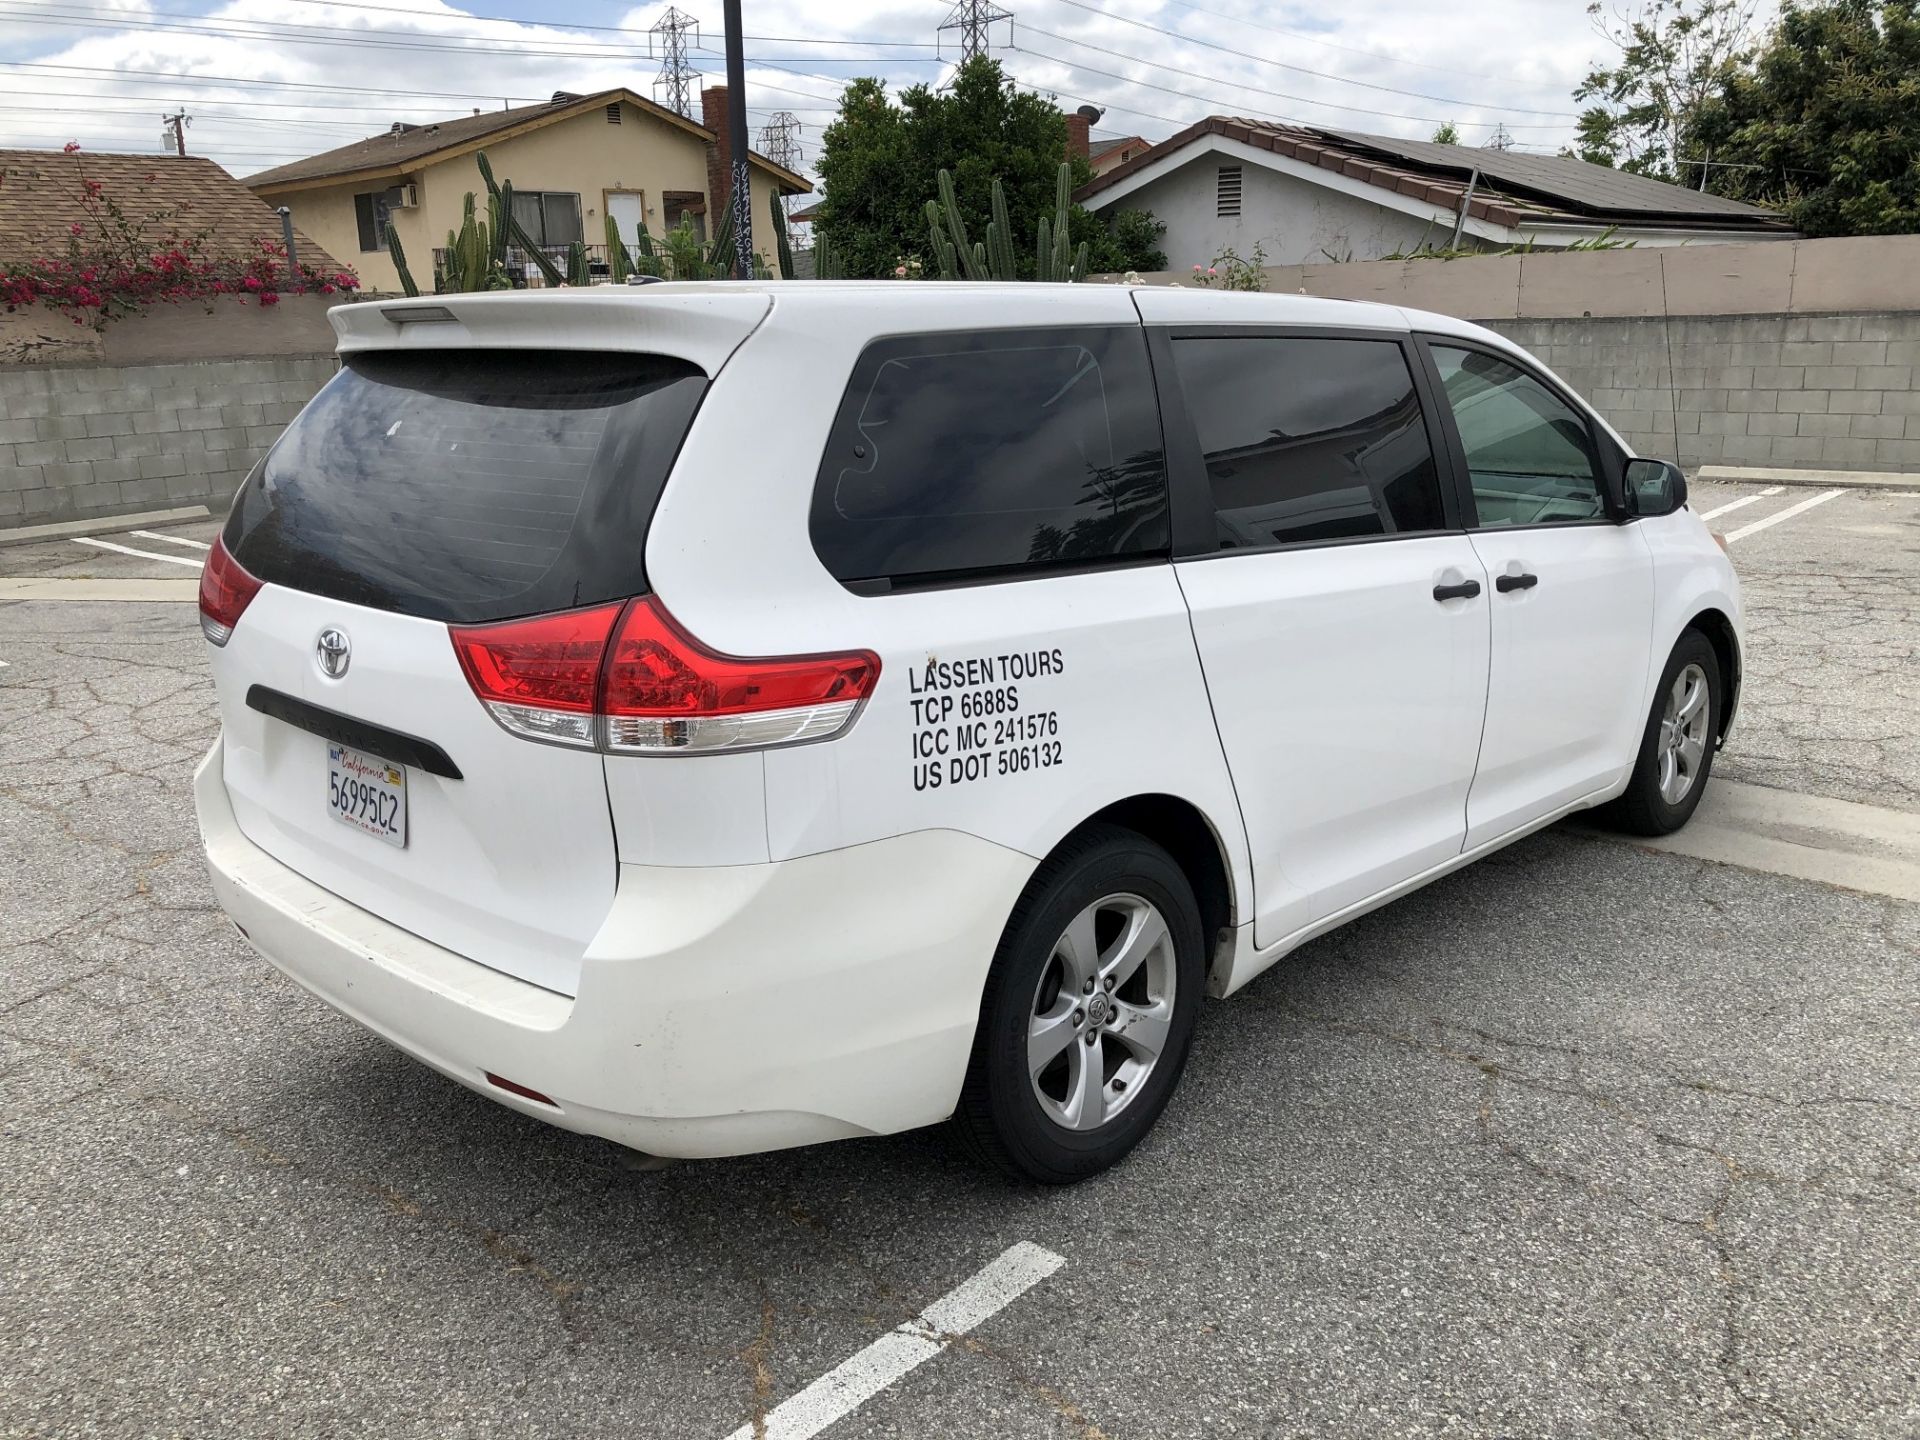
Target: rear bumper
<point>720,1011</point>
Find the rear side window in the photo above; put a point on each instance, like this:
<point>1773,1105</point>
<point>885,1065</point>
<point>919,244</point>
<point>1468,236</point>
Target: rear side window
<point>469,485</point>
<point>992,452</point>
<point>1309,439</point>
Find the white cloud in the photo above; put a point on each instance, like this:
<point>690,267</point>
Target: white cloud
<point>1476,65</point>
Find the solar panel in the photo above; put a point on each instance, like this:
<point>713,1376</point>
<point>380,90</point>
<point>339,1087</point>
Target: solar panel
<point>1559,179</point>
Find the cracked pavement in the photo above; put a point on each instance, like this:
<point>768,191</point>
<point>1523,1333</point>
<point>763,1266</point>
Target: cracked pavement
<point>1583,1141</point>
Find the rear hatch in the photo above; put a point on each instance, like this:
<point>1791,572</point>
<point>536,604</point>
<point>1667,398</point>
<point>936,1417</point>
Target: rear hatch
<point>424,488</point>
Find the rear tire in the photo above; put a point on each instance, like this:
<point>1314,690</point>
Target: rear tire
<point>1088,1012</point>
<point>1676,749</point>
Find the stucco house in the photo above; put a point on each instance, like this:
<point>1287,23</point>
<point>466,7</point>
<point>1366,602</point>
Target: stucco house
<point>1111,154</point>
<point>1310,195</point>
<point>572,161</point>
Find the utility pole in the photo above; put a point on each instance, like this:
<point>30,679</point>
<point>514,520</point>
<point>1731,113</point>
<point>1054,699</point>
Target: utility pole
<point>677,74</point>
<point>176,130</point>
<point>737,141</point>
<point>971,18</point>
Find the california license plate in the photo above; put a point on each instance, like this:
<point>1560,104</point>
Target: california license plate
<point>368,793</point>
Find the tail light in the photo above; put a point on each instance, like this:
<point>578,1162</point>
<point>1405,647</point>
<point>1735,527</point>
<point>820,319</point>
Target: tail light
<point>628,679</point>
<point>225,592</point>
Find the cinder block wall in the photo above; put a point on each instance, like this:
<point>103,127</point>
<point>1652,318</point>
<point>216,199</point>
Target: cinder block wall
<point>84,441</point>
<point>1829,392</point>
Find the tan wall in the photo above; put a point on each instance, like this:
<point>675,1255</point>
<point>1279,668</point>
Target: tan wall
<point>327,215</point>
<point>1801,277</point>
<point>585,155</point>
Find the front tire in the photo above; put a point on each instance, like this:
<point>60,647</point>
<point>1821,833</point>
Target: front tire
<point>1088,1012</point>
<point>1676,750</point>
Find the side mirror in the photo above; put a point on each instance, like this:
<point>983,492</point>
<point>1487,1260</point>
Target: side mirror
<point>1654,487</point>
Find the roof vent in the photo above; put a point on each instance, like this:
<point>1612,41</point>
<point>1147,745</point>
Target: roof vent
<point>613,113</point>
<point>1226,194</point>
<point>564,97</point>
<point>401,127</point>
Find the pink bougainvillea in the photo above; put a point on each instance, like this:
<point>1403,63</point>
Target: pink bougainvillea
<point>121,263</point>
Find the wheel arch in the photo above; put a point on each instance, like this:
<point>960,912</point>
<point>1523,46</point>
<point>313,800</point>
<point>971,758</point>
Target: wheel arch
<point>1720,633</point>
<point>1185,832</point>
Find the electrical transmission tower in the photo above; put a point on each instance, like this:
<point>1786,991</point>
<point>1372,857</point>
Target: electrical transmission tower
<point>677,75</point>
<point>1501,139</point>
<point>971,18</point>
<point>780,139</point>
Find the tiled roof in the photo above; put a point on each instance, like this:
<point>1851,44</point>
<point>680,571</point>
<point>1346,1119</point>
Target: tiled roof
<point>40,189</point>
<point>411,145</point>
<point>1513,189</point>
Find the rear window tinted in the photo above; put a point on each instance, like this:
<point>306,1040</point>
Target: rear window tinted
<point>1309,439</point>
<point>993,452</point>
<point>469,485</point>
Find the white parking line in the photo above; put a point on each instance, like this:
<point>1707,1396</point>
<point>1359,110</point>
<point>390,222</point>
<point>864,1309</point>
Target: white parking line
<point>1710,515</point>
<point>1786,514</point>
<point>846,1387</point>
<point>129,550</point>
<point>202,545</point>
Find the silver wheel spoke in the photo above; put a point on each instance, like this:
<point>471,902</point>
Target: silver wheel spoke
<point>1690,749</point>
<point>1048,1035</point>
<point>1143,1029</point>
<point>1086,1103</point>
<point>1696,696</point>
<point>1146,932</point>
<point>1079,950</point>
<point>1078,997</point>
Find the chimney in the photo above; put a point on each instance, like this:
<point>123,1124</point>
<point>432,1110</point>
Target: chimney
<point>1079,141</point>
<point>713,115</point>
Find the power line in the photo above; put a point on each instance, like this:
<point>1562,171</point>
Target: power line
<point>1457,73</point>
<point>138,77</point>
<point>1230,84</point>
<point>1305,70</point>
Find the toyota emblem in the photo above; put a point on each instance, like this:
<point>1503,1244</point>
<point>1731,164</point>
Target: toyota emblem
<point>334,652</point>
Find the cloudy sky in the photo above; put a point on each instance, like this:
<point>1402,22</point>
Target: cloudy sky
<point>273,80</point>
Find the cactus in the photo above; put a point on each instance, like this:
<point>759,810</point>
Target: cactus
<point>1055,257</point>
<point>719,261</point>
<point>619,267</point>
<point>499,211</point>
<point>1000,238</point>
<point>826,261</point>
<point>577,272</point>
<point>516,232</point>
<point>782,246</point>
<point>400,263</point>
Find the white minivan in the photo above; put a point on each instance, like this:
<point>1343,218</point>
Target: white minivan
<point>724,717</point>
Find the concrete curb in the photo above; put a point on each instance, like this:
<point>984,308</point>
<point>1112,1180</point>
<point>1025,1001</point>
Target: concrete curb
<point>1814,479</point>
<point>27,534</point>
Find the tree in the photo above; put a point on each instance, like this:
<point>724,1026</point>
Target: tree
<point>1447,134</point>
<point>1130,241</point>
<point>1673,56</point>
<point>879,161</point>
<point>1826,124</point>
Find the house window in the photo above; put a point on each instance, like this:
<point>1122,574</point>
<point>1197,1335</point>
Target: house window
<point>688,205</point>
<point>1226,195</point>
<point>370,211</point>
<point>550,217</point>
<point>613,113</point>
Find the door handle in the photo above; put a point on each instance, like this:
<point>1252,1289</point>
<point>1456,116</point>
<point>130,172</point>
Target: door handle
<point>1465,590</point>
<point>1515,582</point>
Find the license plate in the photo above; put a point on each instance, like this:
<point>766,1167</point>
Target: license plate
<point>368,793</point>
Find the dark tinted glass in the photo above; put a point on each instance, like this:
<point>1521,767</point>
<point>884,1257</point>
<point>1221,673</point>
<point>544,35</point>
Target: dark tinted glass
<point>996,451</point>
<point>1309,439</point>
<point>1530,454</point>
<point>469,485</point>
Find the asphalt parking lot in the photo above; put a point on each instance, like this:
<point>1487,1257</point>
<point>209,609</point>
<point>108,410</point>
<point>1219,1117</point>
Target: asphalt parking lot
<point>1587,1140</point>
